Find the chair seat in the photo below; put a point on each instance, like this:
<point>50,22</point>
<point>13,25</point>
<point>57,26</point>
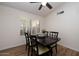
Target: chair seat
<point>53,45</point>
<point>41,50</point>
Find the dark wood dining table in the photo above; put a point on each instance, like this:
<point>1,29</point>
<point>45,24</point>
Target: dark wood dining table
<point>46,40</point>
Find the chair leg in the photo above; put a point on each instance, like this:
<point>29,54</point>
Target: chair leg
<point>56,49</point>
<point>31,51</point>
<point>26,47</point>
<point>28,50</point>
<point>26,44</point>
<point>51,52</point>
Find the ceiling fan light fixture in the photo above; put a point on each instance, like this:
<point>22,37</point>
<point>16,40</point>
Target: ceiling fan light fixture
<point>44,3</point>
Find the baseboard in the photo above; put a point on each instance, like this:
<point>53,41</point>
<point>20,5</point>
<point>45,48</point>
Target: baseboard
<point>68,47</point>
<point>9,47</point>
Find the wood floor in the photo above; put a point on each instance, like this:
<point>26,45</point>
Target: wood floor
<point>21,51</point>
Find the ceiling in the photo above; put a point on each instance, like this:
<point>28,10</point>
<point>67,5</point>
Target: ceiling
<point>32,7</point>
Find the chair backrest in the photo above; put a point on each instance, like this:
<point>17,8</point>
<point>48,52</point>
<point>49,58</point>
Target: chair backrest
<point>54,34</point>
<point>34,43</point>
<point>27,38</point>
<point>45,33</point>
<point>26,35</point>
<point>33,39</point>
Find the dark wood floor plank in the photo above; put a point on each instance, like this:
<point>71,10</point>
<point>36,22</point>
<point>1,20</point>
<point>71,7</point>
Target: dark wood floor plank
<point>21,51</point>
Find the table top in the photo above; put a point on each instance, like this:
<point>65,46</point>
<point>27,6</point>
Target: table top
<point>48,41</point>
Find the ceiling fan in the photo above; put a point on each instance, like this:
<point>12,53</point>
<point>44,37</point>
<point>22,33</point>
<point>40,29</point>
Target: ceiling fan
<point>43,4</point>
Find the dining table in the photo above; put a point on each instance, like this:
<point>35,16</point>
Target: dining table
<point>46,40</point>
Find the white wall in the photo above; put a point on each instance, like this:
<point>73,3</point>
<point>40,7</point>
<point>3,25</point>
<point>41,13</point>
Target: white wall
<point>10,26</point>
<point>66,24</point>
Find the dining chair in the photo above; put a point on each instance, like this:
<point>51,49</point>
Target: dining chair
<point>27,42</point>
<point>54,35</point>
<point>38,49</point>
<point>27,39</point>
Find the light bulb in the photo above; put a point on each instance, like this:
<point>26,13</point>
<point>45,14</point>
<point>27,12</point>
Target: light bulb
<point>44,3</point>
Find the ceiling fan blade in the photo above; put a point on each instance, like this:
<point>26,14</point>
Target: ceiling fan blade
<point>33,2</point>
<point>49,6</point>
<point>40,7</point>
